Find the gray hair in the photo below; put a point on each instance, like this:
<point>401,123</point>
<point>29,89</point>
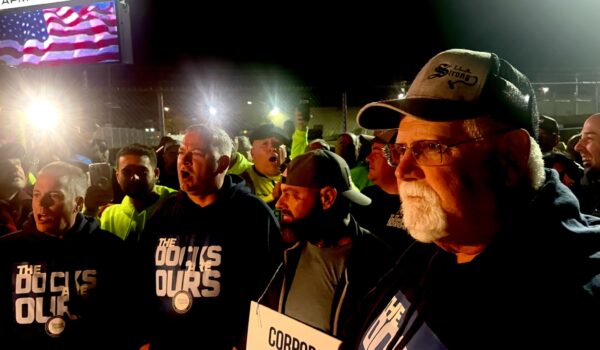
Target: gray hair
<point>477,127</point>
<point>218,140</point>
<point>75,180</point>
<point>536,165</point>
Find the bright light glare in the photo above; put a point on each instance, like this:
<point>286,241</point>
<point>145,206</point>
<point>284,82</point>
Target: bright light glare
<point>274,111</point>
<point>249,102</point>
<point>277,117</point>
<point>167,109</point>
<point>212,111</point>
<point>545,89</point>
<point>402,93</point>
<point>43,114</point>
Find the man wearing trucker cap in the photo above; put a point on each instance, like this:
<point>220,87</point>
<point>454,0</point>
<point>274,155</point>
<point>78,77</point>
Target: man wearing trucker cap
<point>512,263</point>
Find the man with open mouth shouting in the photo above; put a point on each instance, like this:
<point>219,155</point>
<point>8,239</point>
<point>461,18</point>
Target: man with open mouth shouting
<point>268,153</point>
<point>206,253</point>
<point>60,280</point>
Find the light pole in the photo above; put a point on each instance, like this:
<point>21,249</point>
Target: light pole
<point>161,112</point>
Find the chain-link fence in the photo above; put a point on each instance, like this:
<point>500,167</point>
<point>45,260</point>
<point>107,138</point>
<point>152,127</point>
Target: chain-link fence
<point>134,110</point>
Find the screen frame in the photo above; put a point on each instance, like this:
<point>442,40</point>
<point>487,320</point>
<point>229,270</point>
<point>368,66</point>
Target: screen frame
<point>122,9</point>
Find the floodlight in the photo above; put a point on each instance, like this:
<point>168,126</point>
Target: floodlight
<point>275,111</point>
<point>43,114</point>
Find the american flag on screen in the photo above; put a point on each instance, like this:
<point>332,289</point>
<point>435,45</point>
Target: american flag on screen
<point>53,36</point>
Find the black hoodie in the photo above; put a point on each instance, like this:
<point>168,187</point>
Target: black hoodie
<point>59,293</point>
<point>533,286</point>
<point>201,267</point>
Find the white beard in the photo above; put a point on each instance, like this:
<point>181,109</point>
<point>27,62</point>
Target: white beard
<point>423,216</point>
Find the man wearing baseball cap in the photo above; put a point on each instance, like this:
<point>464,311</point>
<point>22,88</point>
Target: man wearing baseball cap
<point>268,154</point>
<point>334,261</point>
<point>383,217</point>
<point>549,134</point>
<point>511,264</point>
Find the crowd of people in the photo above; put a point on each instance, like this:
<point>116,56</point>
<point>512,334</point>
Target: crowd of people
<point>460,222</point>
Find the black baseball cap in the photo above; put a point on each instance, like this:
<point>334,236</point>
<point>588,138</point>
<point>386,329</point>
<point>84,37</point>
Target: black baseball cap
<point>268,130</point>
<point>549,124</point>
<point>320,168</point>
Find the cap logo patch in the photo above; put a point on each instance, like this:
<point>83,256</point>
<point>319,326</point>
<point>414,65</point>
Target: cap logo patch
<point>462,75</point>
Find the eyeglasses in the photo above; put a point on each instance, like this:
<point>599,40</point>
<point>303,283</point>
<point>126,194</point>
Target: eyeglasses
<point>429,152</point>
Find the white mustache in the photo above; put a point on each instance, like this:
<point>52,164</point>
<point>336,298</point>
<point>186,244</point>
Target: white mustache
<point>417,189</point>
<point>424,219</point>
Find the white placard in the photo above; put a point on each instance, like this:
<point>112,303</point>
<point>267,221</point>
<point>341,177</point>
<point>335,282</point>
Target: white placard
<point>268,329</point>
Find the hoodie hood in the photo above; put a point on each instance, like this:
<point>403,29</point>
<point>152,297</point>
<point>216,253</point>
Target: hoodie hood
<point>84,225</point>
<point>555,204</point>
<point>547,234</point>
<point>553,208</point>
<point>232,186</point>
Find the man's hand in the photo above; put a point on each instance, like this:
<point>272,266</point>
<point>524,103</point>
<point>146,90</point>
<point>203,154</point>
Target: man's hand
<point>300,121</point>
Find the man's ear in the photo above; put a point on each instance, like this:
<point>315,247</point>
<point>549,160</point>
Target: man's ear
<point>222,164</point>
<point>156,172</point>
<point>78,204</point>
<point>514,149</point>
<point>117,177</point>
<point>328,195</point>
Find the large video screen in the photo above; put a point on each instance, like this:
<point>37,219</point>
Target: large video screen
<point>53,35</point>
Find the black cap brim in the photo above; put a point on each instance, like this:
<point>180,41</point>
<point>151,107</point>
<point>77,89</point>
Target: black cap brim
<point>264,133</point>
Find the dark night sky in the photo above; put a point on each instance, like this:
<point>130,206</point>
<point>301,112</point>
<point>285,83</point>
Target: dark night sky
<point>322,51</point>
<point>371,44</point>
<point>327,49</point>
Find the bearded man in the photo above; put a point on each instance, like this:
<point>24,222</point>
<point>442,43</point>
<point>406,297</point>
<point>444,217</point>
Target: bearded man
<point>513,263</point>
<point>334,261</point>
